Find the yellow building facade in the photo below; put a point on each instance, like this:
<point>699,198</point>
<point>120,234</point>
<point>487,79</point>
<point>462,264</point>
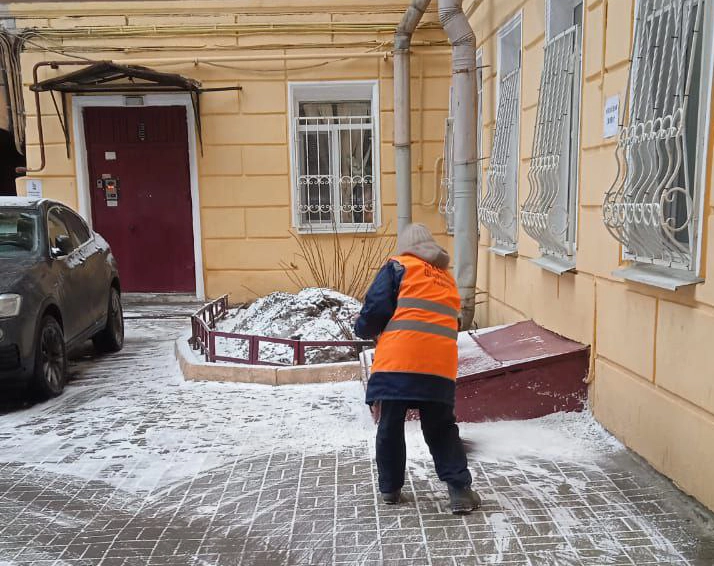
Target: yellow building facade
<point>652,366</point>
<point>246,179</point>
<point>549,247</point>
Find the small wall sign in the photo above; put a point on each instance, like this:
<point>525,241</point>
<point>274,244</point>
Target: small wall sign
<point>611,116</point>
<point>34,188</point>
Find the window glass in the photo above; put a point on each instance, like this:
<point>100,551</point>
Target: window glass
<point>549,213</point>
<point>499,207</point>
<point>56,228</point>
<point>335,148</point>
<point>77,228</point>
<point>18,232</point>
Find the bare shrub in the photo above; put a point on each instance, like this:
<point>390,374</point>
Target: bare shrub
<point>333,263</point>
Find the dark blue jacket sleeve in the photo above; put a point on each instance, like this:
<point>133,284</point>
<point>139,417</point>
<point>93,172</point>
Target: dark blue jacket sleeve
<point>380,302</point>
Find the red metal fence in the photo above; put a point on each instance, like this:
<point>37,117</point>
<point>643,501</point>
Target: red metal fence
<point>204,334</point>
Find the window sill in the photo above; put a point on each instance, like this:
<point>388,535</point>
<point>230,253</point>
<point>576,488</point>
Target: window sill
<point>344,229</point>
<point>503,251</point>
<point>557,265</point>
<point>658,276</point>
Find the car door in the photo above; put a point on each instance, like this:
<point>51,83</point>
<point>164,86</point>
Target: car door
<point>90,265</point>
<point>68,284</point>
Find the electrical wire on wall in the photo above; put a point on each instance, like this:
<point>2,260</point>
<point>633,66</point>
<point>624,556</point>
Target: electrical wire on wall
<point>10,50</point>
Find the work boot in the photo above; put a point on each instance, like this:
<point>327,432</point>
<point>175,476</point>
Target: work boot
<point>463,500</point>
<point>392,498</point>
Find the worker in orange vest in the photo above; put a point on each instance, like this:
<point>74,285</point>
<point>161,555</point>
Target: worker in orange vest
<point>412,310</point>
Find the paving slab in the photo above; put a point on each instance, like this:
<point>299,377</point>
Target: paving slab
<point>133,466</point>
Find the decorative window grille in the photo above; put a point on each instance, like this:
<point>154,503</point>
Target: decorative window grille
<point>446,201</point>
<point>498,208</point>
<point>334,164</point>
<point>653,206</point>
<point>548,213</point>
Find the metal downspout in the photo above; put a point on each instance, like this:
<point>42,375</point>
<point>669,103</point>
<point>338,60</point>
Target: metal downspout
<point>402,110</point>
<point>463,42</point>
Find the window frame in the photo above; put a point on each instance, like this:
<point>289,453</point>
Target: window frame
<point>549,33</point>
<point>557,262</point>
<point>655,273</point>
<point>334,91</point>
<point>515,22</point>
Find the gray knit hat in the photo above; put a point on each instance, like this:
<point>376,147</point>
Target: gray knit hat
<point>416,240</point>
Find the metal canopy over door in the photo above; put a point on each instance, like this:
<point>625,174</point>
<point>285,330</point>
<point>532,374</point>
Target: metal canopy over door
<point>138,162</point>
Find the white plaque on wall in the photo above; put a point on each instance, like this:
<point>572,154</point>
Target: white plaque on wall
<point>611,116</point>
<point>34,188</point>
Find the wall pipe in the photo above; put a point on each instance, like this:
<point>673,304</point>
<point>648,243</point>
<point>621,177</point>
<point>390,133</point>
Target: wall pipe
<point>402,110</point>
<point>463,65</point>
<point>38,109</point>
<point>277,57</point>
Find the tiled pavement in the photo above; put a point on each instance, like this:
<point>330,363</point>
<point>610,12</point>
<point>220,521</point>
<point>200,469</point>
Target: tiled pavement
<point>131,466</point>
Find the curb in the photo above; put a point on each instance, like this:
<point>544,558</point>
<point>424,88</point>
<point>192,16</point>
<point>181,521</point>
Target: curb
<point>194,369</point>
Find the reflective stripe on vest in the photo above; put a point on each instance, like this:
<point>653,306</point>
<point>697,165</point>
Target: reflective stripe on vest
<point>433,306</point>
<point>426,327</point>
<point>421,336</point>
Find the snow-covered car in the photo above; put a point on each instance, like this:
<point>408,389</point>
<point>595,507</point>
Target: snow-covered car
<point>59,286</point>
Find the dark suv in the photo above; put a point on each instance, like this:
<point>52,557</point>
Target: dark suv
<point>59,286</point>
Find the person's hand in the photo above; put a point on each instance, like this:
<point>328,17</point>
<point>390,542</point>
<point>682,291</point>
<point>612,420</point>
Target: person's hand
<point>355,318</point>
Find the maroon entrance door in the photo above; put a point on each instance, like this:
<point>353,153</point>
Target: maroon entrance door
<point>141,195</point>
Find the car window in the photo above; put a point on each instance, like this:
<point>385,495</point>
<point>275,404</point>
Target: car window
<point>77,228</point>
<point>56,227</point>
<point>18,232</point>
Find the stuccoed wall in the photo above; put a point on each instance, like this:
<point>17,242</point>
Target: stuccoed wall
<point>653,362</point>
<point>244,174</point>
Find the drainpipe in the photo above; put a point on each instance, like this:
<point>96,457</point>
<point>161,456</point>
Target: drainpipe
<point>402,110</point>
<point>463,79</point>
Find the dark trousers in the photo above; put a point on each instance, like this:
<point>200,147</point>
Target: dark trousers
<point>441,434</point>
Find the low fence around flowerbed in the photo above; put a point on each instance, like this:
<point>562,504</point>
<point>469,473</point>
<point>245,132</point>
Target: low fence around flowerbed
<point>204,334</point>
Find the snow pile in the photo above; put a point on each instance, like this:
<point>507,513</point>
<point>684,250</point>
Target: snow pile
<point>312,314</point>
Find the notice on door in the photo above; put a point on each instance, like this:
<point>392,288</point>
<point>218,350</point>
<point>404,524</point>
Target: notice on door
<point>611,116</point>
<point>34,188</point>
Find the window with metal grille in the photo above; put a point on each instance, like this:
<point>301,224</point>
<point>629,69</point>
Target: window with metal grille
<point>446,200</point>
<point>654,206</point>
<point>498,210</point>
<point>549,212</point>
<point>334,173</point>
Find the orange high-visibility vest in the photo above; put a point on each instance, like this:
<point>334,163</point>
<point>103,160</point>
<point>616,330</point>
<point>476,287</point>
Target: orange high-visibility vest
<point>421,336</point>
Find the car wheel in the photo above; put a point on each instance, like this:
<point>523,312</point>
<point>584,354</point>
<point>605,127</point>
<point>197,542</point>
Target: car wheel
<point>111,338</point>
<point>50,358</point>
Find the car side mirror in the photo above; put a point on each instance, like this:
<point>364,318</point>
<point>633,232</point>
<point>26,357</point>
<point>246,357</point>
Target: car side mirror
<point>63,246</point>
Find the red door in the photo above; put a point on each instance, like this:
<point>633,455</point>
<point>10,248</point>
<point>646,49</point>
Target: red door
<point>141,195</point>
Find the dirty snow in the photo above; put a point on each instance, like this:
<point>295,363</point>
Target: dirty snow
<point>139,446</point>
<point>312,314</point>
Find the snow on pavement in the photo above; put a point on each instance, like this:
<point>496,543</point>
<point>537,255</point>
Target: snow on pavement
<point>134,466</point>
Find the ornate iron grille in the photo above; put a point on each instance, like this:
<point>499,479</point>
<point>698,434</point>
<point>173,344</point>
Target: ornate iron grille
<point>446,201</point>
<point>651,206</point>
<point>335,178</point>
<point>547,214</point>
<point>499,205</point>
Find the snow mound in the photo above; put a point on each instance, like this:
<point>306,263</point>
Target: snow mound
<point>312,314</point>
